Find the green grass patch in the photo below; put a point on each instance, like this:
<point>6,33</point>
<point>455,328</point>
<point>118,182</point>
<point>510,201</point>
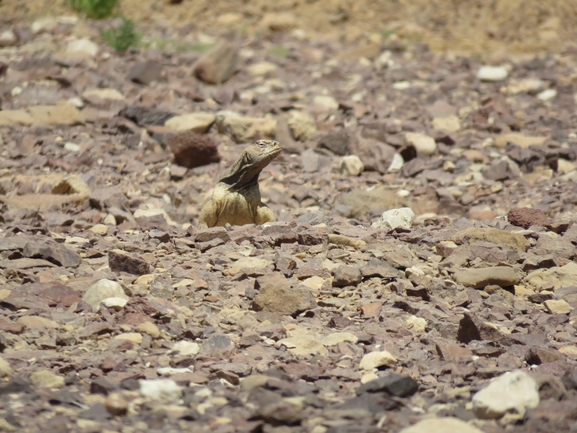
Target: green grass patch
<point>123,37</point>
<point>95,9</point>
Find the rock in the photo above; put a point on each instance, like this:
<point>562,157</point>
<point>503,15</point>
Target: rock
<point>351,165</point>
<point>547,94</point>
<point>327,102</point>
<point>8,38</point>
<point>424,144</point>
<point>276,295</point>
<point>82,49</point>
<point>71,185</point>
<point>374,360</point>
<point>337,142</point>
<point>101,290</point>
<point>243,129</point>
<point>313,162</point>
<point>162,390</point>
<point>247,263</point>
<point>395,218</point>
<point>36,322</point>
<point>284,412</point>
<point>279,21</point>
<point>500,237</point>
<point>472,328</point>
<point>144,116</point>
<point>146,72</point>
<point>104,94</point>
<point>513,392</point>
<point>347,276</point>
<point>53,252</point>
<point>46,379</point>
<point>99,229</point>
<point>186,348</point>
<point>441,425</point>
<point>116,404</point>
<point>558,306</point>
<point>119,261</point>
<point>520,140</point>
<point>375,156</point>
<point>197,122</point>
<point>492,73</point>
<point>62,114</point>
<point>44,24</point>
<point>398,385</point>
<point>134,337</point>
<point>451,123</point>
<point>526,217</point>
<point>502,169</point>
<point>5,369</point>
<point>217,65</point>
<point>559,276</point>
<point>479,278</point>
<point>193,150</point>
<point>262,68</point>
<point>149,328</point>
<point>302,126</point>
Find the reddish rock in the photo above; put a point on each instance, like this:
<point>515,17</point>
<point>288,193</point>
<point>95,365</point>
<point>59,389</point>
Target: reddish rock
<point>526,217</point>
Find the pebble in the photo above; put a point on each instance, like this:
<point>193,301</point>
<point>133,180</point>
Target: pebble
<point>162,390</point>
<point>558,306</point>
<point>116,404</point>
<point>492,73</point>
<point>377,359</point>
<point>185,348</point>
<point>102,290</point>
<point>5,369</point>
<point>150,329</point>
<point>46,379</point>
<point>512,392</point>
<point>395,218</point>
<point>302,125</point>
<point>197,122</point>
<point>424,144</point>
<point>441,425</point>
<point>351,165</point>
<point>479,278</point>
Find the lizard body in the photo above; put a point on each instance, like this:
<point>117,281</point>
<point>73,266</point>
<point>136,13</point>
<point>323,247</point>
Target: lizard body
<point>236,197</point>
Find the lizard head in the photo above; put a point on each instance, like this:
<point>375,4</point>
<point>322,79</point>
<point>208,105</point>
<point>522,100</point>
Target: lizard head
<point>263,151</point>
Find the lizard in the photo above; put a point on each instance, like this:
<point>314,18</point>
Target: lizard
<point>236,197</point>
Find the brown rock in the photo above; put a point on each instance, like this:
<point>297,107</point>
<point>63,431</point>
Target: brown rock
<point>122,262</point>
<point>526,217</point>
<point>193,150</point>
<point>276,295</point>
<point>217,65</point>
<point>146,72</point>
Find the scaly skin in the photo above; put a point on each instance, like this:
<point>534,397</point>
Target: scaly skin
<point>236,198</point>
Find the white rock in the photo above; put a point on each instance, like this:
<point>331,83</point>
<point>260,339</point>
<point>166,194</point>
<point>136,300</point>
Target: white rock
<point>351,165</point>
<point>394,218</point>
<point>99,229</point>
<point>512,392</point>
<point>84,46</point>
<point>451,123</point>
<point>101,290</point>
<point>44,24</point>
<point>115,302</point>
<point>376,360</point>
<point>261,68</point>
<point>545,95</point>
<point>197,122</point>
<point>397,163</point>
<point>384,60</point>
<point>7,38</point>
<point>424,144</point>
<point>402,85</point>
<point>169,371</point>
<point>418,324</point>
<point>492,73</point>
<point>441,425</point>
<point>71,147</point>
<point>243,129</point>
<point>326,101</point>
<point>339,337</point>
<point>105,94</point>
<point>525,85</point>
<point>185,348</point>
<point>165,390</point>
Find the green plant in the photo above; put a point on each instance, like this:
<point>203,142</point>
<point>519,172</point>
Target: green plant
<point>96,9</point>
<point>123,37</point>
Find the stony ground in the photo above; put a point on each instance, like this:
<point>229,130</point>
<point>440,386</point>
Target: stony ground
<point>453,311</point>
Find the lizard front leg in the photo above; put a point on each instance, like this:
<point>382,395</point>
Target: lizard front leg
<point>264,214</point>
<point>208,215</point>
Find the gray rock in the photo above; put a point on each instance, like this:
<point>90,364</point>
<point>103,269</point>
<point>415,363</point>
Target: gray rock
<point>276,295</point>
<point>217,65</point>
<point>395,218</point>
<point>347,276</point>
<point>119,261</point>
<point>146,72</point>
<point>101,290</point>
<point>480,277</point>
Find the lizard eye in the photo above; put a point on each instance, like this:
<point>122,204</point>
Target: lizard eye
<point>260,143</point>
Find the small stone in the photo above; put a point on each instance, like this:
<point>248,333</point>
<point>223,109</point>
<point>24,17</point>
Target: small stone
<point>104,94</point>
<point>193,150</point>
<point>399,385</point>
<point>186,348</point>
<point>527,217</point>
<point>116,404</point>
<point>119,261</point>
<point>471,235</point>
<point>44,24</point>
<point>8,38</point>
<point>337,142</point>
<point>36,322</point>
<point>243,129</point>
<point>558,306</point>
<point>395,218</point>
<point>146,72</point>
<point>114,303</point>
<point>217,65</point>
<point>451,123</point>
<point>377,359</point>
<point>351,165</point>
<point>163,390</point>
<point>262,68</point>
<point>282,412</point>
<point>99,229</point>
<point>441,425</point>
<point>424,144</point>
<point>492,73</point>
<point>135,337</point>
<point>513,392</point>
<point>198,122</point>
<point>85,48</point>
<point>71,185</point>
<point>479,278</point>
<point>347,276</point>
<point>5,369</point>
<point>276,295</point>
<point>71,147</point>
<point>46,379</point>
<point>279,21</point>
<point>102,290</point>
<point>302,126</point>
<point>149,328</point>
<point>523,141</point>
<point>547,94</point>
<point>327,102</point>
